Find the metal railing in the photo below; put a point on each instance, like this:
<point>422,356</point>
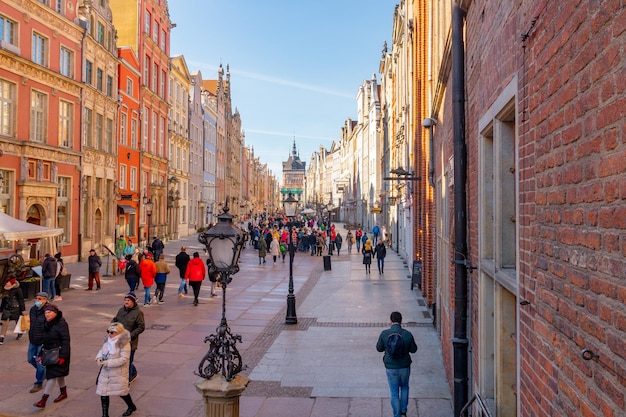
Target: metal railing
<point>481,405</point>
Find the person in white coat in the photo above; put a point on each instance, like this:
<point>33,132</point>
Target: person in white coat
<point>275,249</point>
<point>113,359</point>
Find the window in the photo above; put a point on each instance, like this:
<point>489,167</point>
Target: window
<point>133,133</point>
<point>123,122</point>
<point>146,124</point>
<point>162,138</point>
<point>162,86</point>
<point>133,178</point>
<point>129,86</point>
<point>146,71</point>
<point>59,6</point>
<point>109,86</point>
<point>153,137</point>
<point>7,30</point>
<point>109,136</point>
<point>63,212</point>
<point>155,77</point>
<point>39,53</point>
<point>66,62</point>
<point>66,125</point>
<point>146,22</point>
<point>100,34</point>
<point>89,72</point>
<point>122,178</point>
<point>38,116</point>
<point>99,76</point>
<point>88,126</point>
<point>7,108</point>
<point>99,132</point>
<point>155,33</point>
<point>163,34</point>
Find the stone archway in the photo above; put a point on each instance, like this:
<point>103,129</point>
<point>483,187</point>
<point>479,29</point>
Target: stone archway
<point>35,215</point>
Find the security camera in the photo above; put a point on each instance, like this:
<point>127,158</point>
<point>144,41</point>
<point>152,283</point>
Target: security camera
<point>429,122</point>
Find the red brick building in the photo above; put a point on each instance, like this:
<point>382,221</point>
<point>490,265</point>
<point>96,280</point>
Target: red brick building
<point>542,119</point>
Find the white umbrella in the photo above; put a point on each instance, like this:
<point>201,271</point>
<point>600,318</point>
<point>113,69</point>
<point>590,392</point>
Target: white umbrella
<point>307,211</point>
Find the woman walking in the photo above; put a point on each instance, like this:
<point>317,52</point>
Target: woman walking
<point>113,359</point>
<point>275,249</point>
<point>58,277</point>
<point>12,306</point>
<point>262,250</point>
<point>350,240</point>
<point>56,335</point>
<point>196,271</point>
<point>367,255</point>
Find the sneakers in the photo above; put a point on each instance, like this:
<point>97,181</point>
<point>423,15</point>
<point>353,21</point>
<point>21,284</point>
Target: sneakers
<point>36,388</point>
<point>58,298</point>
<point>161,301</point>
<point>146,304</point>
<point>195,303</point>
<point>181,295</point>
<point>213,294</point>
<point>19,336</point>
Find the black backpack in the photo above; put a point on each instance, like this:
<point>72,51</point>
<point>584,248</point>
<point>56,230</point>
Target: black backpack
<point>395,345</point>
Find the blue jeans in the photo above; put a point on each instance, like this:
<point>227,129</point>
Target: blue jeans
<point>33,354</point>
<point>146,298</point>
<point>132,284</point>
<point>182,286</point>
<point>381,264</point>
<point>398,380</point>
<point>132,371</point>
<point>48,286</point>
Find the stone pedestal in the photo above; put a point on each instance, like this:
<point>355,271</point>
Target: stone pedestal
<point>221,397</point>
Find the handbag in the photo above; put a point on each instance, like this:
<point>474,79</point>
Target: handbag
<point>64,272</point>
<point>50,356</point>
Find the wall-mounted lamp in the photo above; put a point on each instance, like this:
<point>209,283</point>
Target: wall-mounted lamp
<point>429,123</point>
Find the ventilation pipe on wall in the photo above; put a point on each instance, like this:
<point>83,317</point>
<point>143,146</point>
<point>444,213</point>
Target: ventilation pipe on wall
<point>459,341</point>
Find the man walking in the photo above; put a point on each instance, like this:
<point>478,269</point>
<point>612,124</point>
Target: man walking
<point>397,343</point>
<point>157,247</point>
<point>35,339</point>
<point>131,317</point>
<point>49,272</point>
<point>94,270</point>
<point>380,252</point>
<point>182,259</point>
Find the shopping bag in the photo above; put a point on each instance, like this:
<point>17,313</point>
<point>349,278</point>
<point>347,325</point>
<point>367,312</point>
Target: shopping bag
<point>22,325</point>
<point>25,323</point>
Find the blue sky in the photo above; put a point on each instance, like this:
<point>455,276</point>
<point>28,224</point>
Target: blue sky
<point>295,66</point>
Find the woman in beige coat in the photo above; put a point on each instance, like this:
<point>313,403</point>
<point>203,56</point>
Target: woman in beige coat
<point>275,249</point>
<point>113,359</point>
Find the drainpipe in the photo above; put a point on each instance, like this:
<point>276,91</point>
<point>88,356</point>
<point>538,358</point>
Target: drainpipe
<point>459,341</point>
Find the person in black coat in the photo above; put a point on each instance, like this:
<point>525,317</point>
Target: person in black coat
<point>12,306</point>
<point>182,259</point>
<point>380,252</point>
<point>56,334</point>
<point>132,273</point>
<point>157,247</point>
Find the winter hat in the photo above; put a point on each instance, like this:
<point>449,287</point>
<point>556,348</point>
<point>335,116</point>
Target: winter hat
<point>51,307</point>
<point>42,294</point>
<point>131,296</point>
<point>116,327</point>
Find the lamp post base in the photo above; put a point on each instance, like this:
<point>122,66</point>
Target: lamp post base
<point>221,397</point>
<point>291,317</point>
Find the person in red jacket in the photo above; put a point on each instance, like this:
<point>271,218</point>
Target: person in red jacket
<point>148,272</point>
<point>195,273</point>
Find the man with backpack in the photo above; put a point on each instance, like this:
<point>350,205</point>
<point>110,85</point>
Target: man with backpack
<point>397,343</point>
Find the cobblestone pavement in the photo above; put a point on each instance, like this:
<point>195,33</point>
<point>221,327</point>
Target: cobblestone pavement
<point>325,365</point>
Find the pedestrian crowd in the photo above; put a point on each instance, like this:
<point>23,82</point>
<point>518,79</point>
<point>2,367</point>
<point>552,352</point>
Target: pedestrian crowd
<point>49,350</point>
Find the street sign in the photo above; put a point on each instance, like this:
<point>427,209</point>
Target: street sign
<point>375,210</point>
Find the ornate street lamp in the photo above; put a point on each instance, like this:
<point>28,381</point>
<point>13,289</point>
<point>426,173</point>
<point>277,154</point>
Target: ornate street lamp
<point>290,205</point>
<point>224,243</point>
<point>149,207</point>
